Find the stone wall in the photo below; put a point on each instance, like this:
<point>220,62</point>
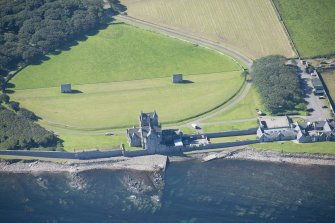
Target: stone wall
<point>250,131</point>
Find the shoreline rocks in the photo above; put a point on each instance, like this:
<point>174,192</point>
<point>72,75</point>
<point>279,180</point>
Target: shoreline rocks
<point>250,153</point>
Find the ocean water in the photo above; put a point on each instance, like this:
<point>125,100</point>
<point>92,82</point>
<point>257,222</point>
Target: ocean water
<point>216,191</point>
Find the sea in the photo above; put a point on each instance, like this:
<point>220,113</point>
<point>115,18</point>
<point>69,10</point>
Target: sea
<point>191,192</point>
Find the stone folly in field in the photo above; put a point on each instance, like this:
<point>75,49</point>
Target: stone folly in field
<point>177,78</point>
<point>65,88</point>
<point>150,135</point>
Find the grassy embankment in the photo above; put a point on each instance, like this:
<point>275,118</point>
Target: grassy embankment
<point>249,27</point>
<point>311,25</point>
<point>290,147</point>
<point>117,73</point>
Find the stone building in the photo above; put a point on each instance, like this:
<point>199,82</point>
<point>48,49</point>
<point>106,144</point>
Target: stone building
<point>150,136</point>
<point>280,128</point>
<point>275,129</point>
<point>65,88</point>
<point>177,78</point>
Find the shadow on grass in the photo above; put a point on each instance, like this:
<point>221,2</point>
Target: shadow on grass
<point>187,82</point>
<point>73,92</point>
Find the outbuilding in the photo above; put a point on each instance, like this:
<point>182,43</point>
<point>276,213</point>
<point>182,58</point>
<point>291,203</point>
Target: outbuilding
<point>65,88</point>
<point>177,78</point>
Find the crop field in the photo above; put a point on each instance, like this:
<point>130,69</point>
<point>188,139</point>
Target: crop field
<point>311,25</point>
<point>249,27</point>
<point>122,52</point>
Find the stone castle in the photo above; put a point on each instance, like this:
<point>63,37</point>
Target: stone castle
<point>150,136</point>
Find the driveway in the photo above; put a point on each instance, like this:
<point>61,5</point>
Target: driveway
<point>315,104</point>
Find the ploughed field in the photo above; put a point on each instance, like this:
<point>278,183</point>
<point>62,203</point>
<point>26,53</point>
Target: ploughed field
<point>311,25</point>
<point>121,71</point>
<point>249,27</point>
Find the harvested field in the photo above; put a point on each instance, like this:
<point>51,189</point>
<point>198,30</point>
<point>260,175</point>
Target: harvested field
<point>249,27</point>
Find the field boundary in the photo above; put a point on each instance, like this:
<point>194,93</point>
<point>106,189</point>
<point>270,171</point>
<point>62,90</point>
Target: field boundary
<point>285,28</point>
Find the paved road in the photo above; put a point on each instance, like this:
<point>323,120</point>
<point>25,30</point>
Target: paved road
<point>315,104</point>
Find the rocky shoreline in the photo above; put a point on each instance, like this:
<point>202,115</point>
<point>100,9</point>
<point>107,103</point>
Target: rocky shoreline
<point>158,162</point>
<point>250,153</point>
<point>143,163</point>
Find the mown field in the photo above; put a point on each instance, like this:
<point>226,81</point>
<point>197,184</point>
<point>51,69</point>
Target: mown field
<point>122,52</point>
<point>311,24</point>
<point>245,109</point>
<point>117,104</point>
<point>249,27</point>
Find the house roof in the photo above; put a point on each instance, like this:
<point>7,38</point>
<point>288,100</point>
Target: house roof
<point>284,132</point>
<point>271,122</point>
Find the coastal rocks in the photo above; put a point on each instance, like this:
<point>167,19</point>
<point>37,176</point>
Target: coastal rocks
<point>145,188</point>
<point>76,181</point>
<point>250,153</point>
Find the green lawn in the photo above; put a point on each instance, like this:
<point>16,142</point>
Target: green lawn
<point>229,126</point>
<point>311,24</point>
<point>77,143</point>
<point>233,138</point>
<point>290,147</point>
<point>122,52</point>
<point>118,104</point>
<point>245,109</point>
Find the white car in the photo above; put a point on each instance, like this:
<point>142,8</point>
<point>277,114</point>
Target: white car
<point>195,126</point>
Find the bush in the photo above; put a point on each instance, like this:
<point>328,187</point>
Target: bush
<point>18,132</point>
<point>28,114</point>
<point>4,98</point>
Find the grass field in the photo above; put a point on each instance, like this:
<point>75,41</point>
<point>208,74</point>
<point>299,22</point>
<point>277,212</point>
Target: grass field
<point>122,52</point>
<point>311,24</point>
<point>233,138</point>
<point>245,109</point>
<point>290,147</point>
<point>74,143</point>
<point>117,104</point>
<point>329,78</point>
<point>229,126</point>
<point>249,27</point>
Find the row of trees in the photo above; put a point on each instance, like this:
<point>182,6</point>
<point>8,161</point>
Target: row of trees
<point>278,84</point>
<point>18,129</point>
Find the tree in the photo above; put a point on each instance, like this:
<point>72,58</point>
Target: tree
<point>278,84</point>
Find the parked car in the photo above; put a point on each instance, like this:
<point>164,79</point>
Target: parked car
<point>321,97</point>
<point>109,134</point>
